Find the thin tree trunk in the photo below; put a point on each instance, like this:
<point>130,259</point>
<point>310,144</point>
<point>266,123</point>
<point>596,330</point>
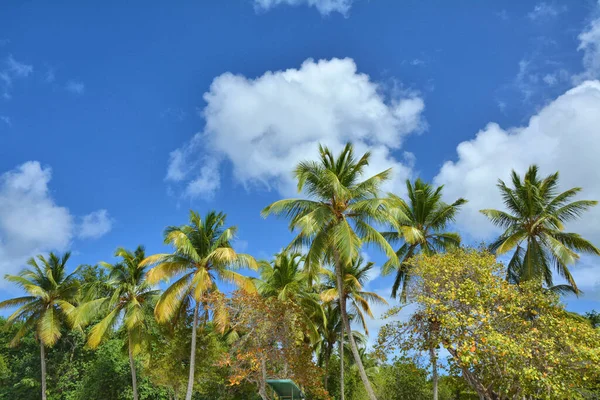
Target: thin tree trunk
<point>262,391</point>
<point>190,386</point>
<point>434,372</point>
<point>342,386</point>
<point>43,364</point>
<point>327,357</point>
<point>132,366</point>
<point>346,323</point>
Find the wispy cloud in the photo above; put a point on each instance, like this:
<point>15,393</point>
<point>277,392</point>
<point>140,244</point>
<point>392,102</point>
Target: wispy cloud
<point>50,75</point>
<point>6,120</point>
<point>10,70</point>
<point>75,87</point>
<point>18,69</point>
<point>503,15</point>
<point>174,113</point>
<point>545,10</point>
<point>325,7</point>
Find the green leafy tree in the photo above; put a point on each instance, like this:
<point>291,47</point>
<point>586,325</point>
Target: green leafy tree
<point>335,220</point>
<point>482,321</point>
<point>202,253</point>
<point>129,301</point>
<point>48,305</point>
<point>533,228</point>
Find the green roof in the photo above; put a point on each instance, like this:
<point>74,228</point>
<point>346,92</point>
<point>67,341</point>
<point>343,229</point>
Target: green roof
<point>286,389</point>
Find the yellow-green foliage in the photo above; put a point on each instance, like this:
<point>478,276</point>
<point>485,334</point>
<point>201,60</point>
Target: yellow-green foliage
<point>508,341</point>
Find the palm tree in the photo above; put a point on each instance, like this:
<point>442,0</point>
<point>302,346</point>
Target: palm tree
<point>533,228</point>
<point>331,330</point>
<point>336,219</point>
<point>130,302</point>
<point>48,305</point>
<point>202,253</point>
<point>284,278</point>
<point>356,275</point>
<point>420,227</point>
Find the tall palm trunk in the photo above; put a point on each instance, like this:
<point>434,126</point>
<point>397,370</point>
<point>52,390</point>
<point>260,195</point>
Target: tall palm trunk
<point>43,364</point>
<point>132,366</point>
<point>348,328</point>
<point>434,372</point>
<point>341,351</point>
<point>190,386</point>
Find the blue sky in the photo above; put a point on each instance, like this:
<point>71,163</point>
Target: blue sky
<point>115,121</point>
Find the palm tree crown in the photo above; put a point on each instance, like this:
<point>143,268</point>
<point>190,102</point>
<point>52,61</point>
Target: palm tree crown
<point>533,227</point>
<point>420,226</point>
<point>202,253</point>
<point>130,300</point>
<point>50,300</point>
<point>336,219</point>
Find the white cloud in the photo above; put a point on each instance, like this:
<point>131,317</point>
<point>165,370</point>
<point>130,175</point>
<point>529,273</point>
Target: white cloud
<point>30,220</point>
<point>6,120</point>
<point>264,126</point>
<point>325,7</point>
<point>18,69</point>
<point>95,225</point>
<point>563,136</point>
<point>589,43</point>
<point>11,70</point>
<point>544,11</point>
<point>75,87</point>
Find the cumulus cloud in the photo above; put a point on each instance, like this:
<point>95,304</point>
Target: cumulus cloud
<point>264,126</point>
<point>75,87</point>
<point>95,225</point>
<point>564,136</point>
<point>325,7</point>
<point>30,220</point>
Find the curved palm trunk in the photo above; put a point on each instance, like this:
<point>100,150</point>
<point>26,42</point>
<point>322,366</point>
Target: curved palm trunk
<point>190,387</point>
<point>132,366</point>
<point>434,372</point>
<point>43,364</point>
<point>341,351</point>
<point>348,328</point>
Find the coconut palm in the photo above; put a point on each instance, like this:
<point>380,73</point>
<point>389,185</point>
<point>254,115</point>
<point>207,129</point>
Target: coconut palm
<point>130,302</point>
<point>356,275</point>
<point>534,228</point>
<point>49,305</point>
<point>335,220</point>
<point>202,254</point>
<point>284,278</point>
<point>424,230</point>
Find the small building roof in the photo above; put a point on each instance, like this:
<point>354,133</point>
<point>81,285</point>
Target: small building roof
<point>286,389</point>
